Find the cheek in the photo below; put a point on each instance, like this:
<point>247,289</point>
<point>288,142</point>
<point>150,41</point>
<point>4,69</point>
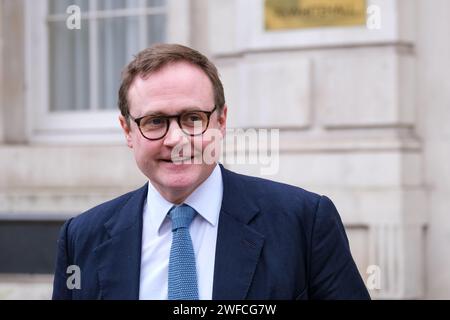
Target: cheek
<point>212,137</point>
<point>145,151</point>
<point>211,147</point>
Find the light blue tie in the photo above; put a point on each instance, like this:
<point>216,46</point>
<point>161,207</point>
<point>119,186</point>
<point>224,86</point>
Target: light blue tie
<point>182,270</point>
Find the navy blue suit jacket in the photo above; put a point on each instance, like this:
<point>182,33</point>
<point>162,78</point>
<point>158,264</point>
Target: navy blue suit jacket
<point>274,241</point>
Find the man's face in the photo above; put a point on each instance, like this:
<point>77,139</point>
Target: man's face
<point>175,88</point>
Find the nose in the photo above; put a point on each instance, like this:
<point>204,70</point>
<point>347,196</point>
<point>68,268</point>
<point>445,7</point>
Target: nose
<point>174,135</point>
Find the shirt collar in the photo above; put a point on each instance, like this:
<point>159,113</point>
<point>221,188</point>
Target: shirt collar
<point>206,200</point>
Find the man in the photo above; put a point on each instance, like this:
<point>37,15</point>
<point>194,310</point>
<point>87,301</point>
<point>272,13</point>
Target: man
<point>197,230</point>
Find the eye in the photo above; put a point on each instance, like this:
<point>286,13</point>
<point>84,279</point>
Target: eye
<point>152,122</point>
<point>155,121</point>
<point>194,117</point>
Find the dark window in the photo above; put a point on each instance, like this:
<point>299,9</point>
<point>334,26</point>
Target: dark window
<point>28,246</point>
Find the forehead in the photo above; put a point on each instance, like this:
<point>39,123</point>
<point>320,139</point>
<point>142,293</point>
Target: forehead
<point>174,87</point>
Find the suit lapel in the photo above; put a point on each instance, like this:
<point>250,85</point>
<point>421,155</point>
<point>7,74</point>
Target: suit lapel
<point>119,257</point>
<point>238,245</point>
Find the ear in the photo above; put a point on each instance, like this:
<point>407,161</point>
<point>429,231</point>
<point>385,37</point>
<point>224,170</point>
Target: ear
<point>126,130</point>
<point>222,120</point>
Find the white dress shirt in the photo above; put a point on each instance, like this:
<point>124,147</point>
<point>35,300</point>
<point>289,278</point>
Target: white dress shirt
<point>157,238</point>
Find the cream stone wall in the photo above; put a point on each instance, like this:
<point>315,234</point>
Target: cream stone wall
<point>433,99</point>
<point>363,117</point>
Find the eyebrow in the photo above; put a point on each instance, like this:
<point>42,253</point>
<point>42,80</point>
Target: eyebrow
<point>159,113</point>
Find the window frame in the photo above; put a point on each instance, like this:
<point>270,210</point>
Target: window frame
<point>90,126</point>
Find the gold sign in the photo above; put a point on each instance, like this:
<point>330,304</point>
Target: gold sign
<point>295,14</point>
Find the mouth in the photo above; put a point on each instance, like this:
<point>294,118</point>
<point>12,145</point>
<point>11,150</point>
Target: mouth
<point>178,160</point>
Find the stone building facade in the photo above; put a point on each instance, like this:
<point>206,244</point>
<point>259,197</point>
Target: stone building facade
<point>363,116</point>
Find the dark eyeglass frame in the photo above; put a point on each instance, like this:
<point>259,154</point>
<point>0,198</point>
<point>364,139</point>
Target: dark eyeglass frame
<point>176,116</point>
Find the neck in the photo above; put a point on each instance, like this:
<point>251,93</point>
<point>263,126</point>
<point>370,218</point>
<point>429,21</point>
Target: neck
<point>179,195</point>
<point>176,197</point>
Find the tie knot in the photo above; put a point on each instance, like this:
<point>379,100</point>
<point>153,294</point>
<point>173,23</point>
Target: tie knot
<point>181,216</point>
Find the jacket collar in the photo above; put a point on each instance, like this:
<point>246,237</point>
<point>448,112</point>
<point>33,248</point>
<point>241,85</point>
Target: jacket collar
<point>238,246</point>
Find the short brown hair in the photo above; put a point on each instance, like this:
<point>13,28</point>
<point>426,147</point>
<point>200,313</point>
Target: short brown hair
<point>157,56</point>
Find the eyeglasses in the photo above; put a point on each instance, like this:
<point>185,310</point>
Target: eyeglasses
<point>192,123</point>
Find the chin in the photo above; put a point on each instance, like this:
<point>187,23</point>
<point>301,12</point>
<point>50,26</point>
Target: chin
<point>179,177</point>
<point>181,182</point>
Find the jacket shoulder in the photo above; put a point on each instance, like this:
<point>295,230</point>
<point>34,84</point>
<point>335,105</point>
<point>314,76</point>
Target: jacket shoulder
<point>271,193</point>
<point>92,221</point>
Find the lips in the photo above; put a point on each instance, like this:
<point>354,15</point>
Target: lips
<point>178,160</point>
